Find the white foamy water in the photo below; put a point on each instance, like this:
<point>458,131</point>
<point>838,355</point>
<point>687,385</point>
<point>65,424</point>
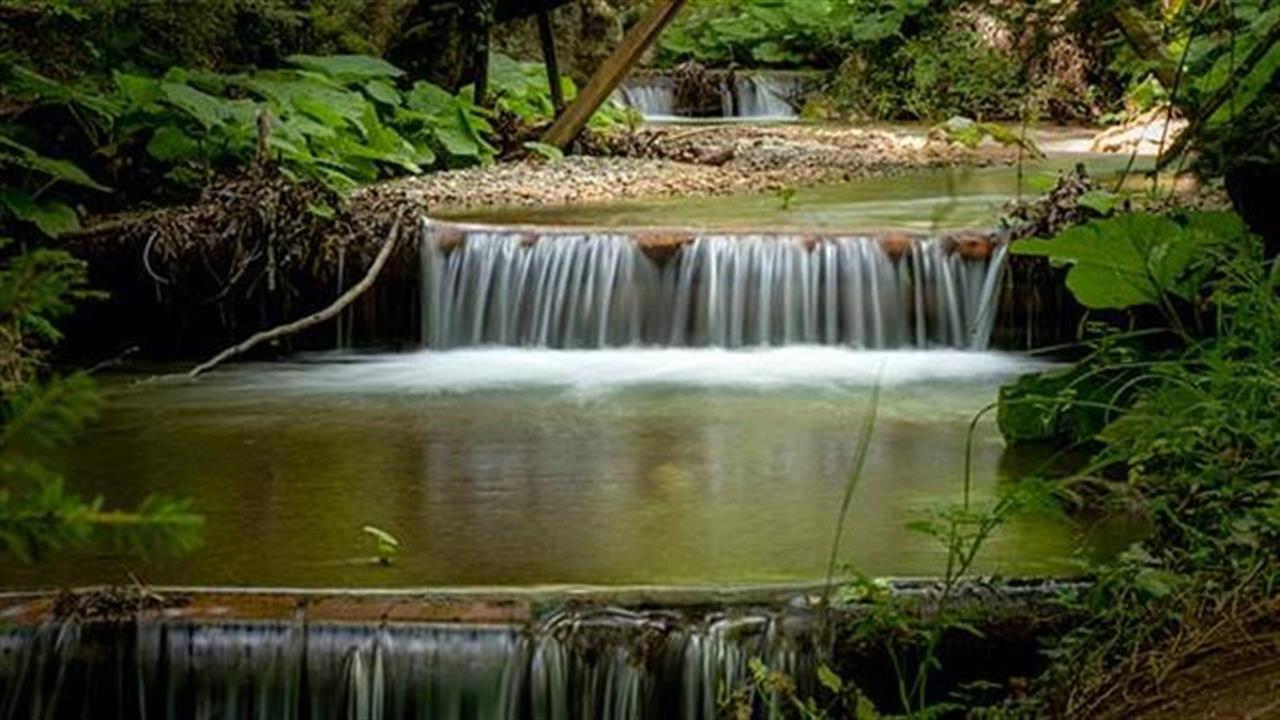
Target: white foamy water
<point>601,370</point>
<point>596,290</point>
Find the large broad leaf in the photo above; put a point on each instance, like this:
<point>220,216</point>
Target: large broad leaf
<point>347,68</point>
<point>140,91</point>
<point>170,144</point>
<point>1250,88</point>
<point>206,109</point>
<point>429,98</point>
<point>15,153</point>
<point>52,217</point>
<point>1128,260</point>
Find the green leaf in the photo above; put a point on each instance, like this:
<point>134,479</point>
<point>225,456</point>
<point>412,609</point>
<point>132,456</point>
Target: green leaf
<point>52,217</point>
<point>551,153</point>
<point>63,170</point>
<point>140,91</point>
<point>829,679</point>
<point>1156,583</point>
<point>1101,202</point>
<point>383,92</point>
<point>321,210</point>
<point>1249,88</point>
<point>1124,261</point>
<point>347,68</point>
<point>43,416</point>
<point>201,106</point>
<point>171,144</point>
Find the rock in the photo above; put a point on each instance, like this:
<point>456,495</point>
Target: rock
<point>1142,134</point>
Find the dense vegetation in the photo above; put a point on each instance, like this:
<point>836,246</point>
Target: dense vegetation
<point>1171,398</point>
<point>908,58</point>
<point>131,117</point>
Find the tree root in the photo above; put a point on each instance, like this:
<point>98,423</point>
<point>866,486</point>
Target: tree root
<point>348,297</point>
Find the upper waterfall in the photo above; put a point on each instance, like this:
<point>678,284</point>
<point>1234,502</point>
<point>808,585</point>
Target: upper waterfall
<point>759,95</point>
<point>581,289</point>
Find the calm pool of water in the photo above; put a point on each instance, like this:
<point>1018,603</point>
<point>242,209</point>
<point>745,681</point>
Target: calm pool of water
<point>528,467</point>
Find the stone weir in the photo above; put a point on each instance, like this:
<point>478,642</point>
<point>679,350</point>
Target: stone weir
<point>561,653</point>
<point>591,287</point>
<point>452,284</point>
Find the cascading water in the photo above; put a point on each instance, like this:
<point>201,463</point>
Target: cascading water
<point>747,96</point>
<point>586,290</point>
<point>601,664</point>
<point>762,97</point>
<point>653,96</point>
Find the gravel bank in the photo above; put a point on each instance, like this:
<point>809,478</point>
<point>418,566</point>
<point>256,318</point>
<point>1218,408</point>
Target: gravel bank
<point>686,162</point>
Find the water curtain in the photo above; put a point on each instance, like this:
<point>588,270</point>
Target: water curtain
<point>600,289</point>
<point>599,664</point>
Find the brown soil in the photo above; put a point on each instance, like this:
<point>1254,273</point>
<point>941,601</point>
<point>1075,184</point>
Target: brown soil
<point>1242,683</point>
<point>1225,667</point>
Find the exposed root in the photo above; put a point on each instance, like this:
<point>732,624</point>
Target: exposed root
<point>250,253</point>
<point>315,318</point>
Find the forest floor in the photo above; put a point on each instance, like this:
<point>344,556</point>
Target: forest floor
<point>1227,666</point>
<point>1222,684</point>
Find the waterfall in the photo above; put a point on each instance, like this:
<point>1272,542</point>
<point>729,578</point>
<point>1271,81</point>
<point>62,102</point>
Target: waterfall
<point>750,95</point>
<point>763,97</point>
<point>654,96</point>
<point>568,289</point>
<point>589,664</point>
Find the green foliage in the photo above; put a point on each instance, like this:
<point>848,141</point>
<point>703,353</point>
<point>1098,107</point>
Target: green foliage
<point>1190,436</point>
<point>67,38</point>
<point>36,289</point>
<point>1101,202</point>
<point>783,33</point>
<point>1136,258</point>
<point>27,201</point>
<point>341,121</point>
<point>550,153</point>
<point>891,59</point>
<point>337,120</point>
<point>1226,57</point>
<point>39,417</point>
<point>521,89</point>
<point>953,71</point>
<point>37,512</point>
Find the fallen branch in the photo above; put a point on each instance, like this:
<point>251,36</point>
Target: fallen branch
<point>315,318</point>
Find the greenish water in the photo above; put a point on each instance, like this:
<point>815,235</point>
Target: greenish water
<point>528,467</point>
<point>953,198</point>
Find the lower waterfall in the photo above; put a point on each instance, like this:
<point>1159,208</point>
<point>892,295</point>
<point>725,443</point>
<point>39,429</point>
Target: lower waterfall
<point>603,664</point>
<point>596,289</point>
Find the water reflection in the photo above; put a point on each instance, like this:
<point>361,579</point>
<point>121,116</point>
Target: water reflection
<point>727,469</point>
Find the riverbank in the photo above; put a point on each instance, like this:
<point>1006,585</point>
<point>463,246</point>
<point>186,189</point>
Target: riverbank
<point>679,161</point>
